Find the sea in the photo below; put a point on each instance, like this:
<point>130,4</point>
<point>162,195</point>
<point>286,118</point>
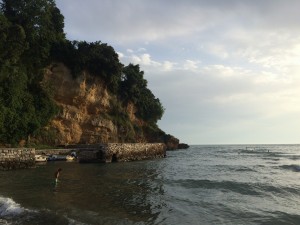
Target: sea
<point>205,184</point>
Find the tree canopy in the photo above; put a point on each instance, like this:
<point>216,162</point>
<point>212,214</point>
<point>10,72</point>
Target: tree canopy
<point>97,58</point>
<point>28,30</point>
<point>134,89</point>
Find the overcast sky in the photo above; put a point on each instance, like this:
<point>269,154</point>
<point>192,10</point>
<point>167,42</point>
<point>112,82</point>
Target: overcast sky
<point>227,71</point>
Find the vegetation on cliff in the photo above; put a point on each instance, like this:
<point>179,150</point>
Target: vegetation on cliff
<point>28,30</point>
<point>31,38</point>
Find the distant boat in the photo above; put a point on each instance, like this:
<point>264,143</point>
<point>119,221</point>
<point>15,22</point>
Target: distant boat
<point>40,158</point>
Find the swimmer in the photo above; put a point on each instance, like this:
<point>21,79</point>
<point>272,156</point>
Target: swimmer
<point>56,174</point>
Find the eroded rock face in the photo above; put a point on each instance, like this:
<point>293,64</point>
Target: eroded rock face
<point>83,103</point>
<point>84,117</point>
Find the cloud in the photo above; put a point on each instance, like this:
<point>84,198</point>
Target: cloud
<point>218,50</point>
<point>168,66</point>
<point>120,54</point>
<point>191,65</point>
<point>143,60</point>
<point>131,21</point>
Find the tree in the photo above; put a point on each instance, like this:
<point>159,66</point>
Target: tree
<point>133,83</point>
<point>134,89</point>
<point>98,59</point>
<point>27,30</point>
<point>15,104</point>
<point>12,42</point>
<point>42,23</point>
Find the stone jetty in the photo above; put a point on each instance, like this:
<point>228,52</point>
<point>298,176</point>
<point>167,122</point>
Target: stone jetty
<point>19,158</point>
<point>16,158</point>
<point>120,152</point>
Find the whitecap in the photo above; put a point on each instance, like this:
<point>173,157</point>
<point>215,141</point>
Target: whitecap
<point>9,207</point>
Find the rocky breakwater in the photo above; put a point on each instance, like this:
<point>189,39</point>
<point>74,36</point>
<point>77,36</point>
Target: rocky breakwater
<point>120,152</point>
<point>16,158</point>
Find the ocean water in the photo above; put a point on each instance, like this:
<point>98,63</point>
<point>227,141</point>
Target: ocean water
<point>224,184</point>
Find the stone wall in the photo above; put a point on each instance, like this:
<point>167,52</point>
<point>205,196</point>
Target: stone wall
<point>121,152</point>
<point>16,158</point>
<point>53,151</point>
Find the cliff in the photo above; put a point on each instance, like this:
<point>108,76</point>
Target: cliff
<point>83,104</point>
<point>87,113</point>
<point>102,100</point>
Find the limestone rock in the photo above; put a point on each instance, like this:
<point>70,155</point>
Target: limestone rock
<point>86,117</point>
<point>83,102</point>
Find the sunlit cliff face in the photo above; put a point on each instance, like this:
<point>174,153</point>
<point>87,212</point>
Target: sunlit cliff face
<point>82,102</point>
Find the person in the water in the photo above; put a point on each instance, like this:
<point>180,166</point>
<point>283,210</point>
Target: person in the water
<point>56,174</point>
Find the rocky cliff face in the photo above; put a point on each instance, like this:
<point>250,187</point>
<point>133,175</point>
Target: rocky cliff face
<point>85,109</point>
<point>83,104</point>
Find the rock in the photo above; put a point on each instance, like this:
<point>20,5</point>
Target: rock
<point>171,142</point>
<point>83,102</point>
<point>90,114</point>
<point>183,146</point>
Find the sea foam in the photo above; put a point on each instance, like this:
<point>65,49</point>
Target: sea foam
<point>9,207</point>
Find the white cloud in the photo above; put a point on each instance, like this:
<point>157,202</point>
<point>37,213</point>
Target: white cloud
<point>142,50</point>
<point>136,57</point>
<point>168,66</point>
<point>218,50</point>
<point>191,65</point>
<point>146,59</point>
<point>120,54</point>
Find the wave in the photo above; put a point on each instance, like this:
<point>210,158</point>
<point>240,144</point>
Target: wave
<point>12,212</point>
<point>243,169</point>
<point>292,167</point>
<point>278,217</point>
<point>9,208</point>
<point>238,187</point>
<point>253,189</point>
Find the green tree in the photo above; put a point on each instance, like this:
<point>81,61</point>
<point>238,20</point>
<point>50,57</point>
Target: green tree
<point>15,103</point>
<point>28,29</point>
<point>97,58</point>
<point>134,89</point>
<point>132,84</point>
<point>12,42</point>
<point>42,23</point>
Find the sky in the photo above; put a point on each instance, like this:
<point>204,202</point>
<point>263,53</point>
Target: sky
<point>226,71</point>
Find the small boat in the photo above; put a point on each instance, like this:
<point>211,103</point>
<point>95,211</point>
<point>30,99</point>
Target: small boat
<point>70,158</point>
<point>40,158</point>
